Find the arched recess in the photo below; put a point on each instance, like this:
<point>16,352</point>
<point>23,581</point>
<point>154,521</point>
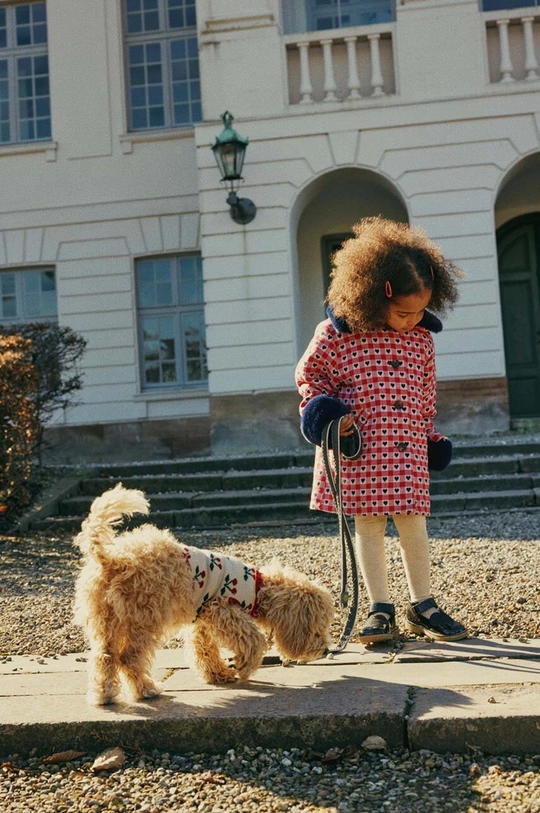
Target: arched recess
<point>323,213</point>
<point>517,215</point>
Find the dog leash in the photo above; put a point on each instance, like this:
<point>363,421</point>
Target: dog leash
<point>331,440</point>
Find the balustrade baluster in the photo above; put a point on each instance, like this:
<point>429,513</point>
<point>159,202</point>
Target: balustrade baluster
<point>376,73</point>
<point>353,81</point>
<point>506,68</point>
<point>531,64</point>
<point>329,81</point>
<point>306,88</point>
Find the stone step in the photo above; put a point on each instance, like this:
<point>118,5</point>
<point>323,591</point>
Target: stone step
<point>175,500</point>
<point>233,479</point>
<point>484,482</point>
<point>484,474</point>
<point>463,452</point>
<point>297,509</point>
<point>204,481</point>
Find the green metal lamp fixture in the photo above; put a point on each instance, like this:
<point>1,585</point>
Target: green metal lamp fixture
<point>229,150</point>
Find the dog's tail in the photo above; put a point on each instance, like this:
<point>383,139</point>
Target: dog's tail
<point>106,512</point>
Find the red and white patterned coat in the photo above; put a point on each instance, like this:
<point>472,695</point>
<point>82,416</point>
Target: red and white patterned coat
<point>387,380</point>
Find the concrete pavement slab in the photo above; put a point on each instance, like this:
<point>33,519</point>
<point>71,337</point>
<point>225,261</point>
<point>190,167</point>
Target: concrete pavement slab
<point>495,719</point>
<point>477,693</point>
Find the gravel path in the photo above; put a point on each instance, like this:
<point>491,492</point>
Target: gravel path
<point>485,571</point>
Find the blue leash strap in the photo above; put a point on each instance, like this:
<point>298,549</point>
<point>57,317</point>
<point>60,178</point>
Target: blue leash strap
<point>331,442</point>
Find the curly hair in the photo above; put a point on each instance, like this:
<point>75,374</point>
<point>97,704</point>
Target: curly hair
<point>385,251</point>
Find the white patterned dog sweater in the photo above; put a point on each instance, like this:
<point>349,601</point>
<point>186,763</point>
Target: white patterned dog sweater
<point>219,576</point>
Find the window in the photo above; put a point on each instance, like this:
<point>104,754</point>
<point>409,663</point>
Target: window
<point>27,296</point>
<point>162,59</point>
<point>25,108</point>
<point>498,5</point>
<point>171,321</point>
<point>319,15</point>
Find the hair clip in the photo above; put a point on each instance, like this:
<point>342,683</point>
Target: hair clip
<point>388,289</point>
<point>431,272</point>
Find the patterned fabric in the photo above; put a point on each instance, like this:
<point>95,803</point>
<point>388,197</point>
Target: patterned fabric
<point>218,576</point>
<point>387,380</point>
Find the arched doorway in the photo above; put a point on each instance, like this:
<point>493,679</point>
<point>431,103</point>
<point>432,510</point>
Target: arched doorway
<point>323,217</point>
<point>518,244</point>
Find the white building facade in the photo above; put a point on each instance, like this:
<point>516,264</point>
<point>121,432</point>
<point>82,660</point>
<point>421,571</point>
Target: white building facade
<point>114,221</point>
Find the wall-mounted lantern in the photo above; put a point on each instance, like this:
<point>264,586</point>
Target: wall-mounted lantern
<point>229,150</point>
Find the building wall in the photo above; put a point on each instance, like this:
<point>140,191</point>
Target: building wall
<point>450,149</point>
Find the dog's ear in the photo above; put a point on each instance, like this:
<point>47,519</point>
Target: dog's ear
<point>300,619</point>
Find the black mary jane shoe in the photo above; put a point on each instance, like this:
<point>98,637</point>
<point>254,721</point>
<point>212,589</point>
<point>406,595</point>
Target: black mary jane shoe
<point>439,626</point>
<point>379,627</point>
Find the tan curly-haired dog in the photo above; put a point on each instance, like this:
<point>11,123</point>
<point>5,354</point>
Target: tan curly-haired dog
<point>139,588</point>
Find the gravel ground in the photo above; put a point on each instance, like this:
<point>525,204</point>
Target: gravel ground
<point>485,571</point>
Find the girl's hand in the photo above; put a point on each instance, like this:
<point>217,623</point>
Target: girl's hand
<point>346,425</point>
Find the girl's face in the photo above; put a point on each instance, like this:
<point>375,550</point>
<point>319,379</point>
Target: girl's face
<point>404,312</point>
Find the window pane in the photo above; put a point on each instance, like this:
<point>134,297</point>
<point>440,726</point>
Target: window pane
<point>173,330</point>
<point>141,15</point>
<point>344,13</point>
<point>159,350</point>
<point>194,346</point>
<point>146,91</point>
<point>181,13</point>
<point>34,98</point>
<point>8,302</point>
<point>497,5</point>
<point>3,28</point>
<point>30,24</point>
<point>154,283</point>
<point>5,129</point>
<point>39,290</point>
<point>28,295</point>
<point>185,85</point>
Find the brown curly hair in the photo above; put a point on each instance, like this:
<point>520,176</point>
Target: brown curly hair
<point>385,251</point>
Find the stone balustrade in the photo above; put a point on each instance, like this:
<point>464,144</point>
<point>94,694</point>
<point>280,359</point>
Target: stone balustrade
<point>513,42</point>
<point>341,65</point>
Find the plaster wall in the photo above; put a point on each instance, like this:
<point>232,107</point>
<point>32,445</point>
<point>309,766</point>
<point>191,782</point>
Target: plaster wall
<point>437,151</point>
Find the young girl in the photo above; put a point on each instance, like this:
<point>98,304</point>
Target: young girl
<point>372,361</point>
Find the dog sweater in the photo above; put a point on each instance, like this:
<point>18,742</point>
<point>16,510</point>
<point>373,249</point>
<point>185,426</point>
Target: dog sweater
<point>219,576</point>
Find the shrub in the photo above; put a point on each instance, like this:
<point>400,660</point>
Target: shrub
<point>19,423</point>
<point>55,353</point>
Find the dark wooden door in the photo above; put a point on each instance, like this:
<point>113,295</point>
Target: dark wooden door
<point>519,277</point>
<point>329,244</point>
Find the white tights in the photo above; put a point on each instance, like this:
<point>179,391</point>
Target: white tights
<point>414,544</point>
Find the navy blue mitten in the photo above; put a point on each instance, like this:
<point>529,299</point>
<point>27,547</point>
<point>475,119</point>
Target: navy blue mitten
<point>439,454</point>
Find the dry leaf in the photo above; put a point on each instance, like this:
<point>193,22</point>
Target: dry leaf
<point>374,743</point>
<point>9,766</point>
<point>109,760</point>
<point>333,754</point>
<point>63,756</point>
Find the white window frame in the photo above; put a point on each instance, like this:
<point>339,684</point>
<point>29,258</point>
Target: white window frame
<point>23,316</point>
<point>300,16</point>
<point>10,85</point>
<point>178,311</point>
<point>165,37</point>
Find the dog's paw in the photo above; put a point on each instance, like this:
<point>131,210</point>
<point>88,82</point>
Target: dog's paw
<point>222,676</point>
<point>96,698</point>
<point>150,690</point>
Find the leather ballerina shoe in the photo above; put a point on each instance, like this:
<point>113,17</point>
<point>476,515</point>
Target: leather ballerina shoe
<point>439,626</point>
<point>379,627</point>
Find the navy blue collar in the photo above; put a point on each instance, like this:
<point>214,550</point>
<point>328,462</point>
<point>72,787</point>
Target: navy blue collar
<point>429,321</point>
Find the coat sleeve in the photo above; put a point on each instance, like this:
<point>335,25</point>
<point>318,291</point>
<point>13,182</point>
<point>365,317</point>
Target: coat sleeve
<point>316,379</point>
<point>430,391</point>
<point>439,446</point>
